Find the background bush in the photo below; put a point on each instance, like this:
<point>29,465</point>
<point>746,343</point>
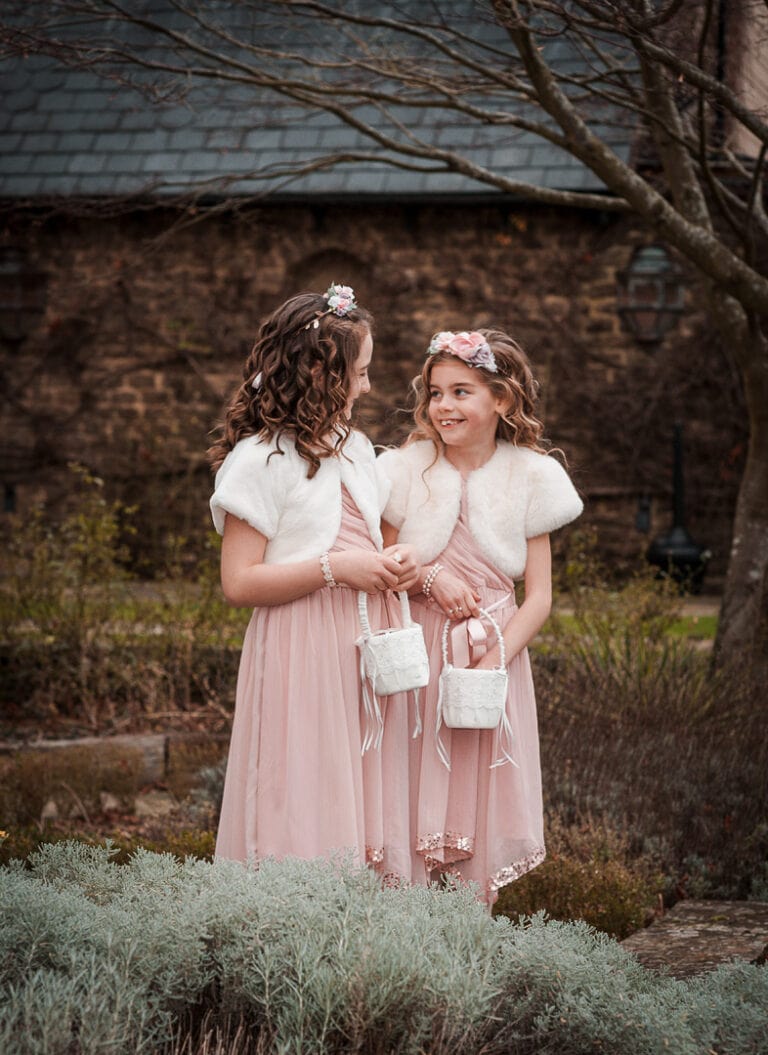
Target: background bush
<point>639,734</point>
<point>304,956</point>
<point>590,873</point>
<point>81,640</point>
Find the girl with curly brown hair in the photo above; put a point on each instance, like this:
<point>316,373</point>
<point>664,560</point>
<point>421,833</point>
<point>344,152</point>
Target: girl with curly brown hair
<point>298,504</point>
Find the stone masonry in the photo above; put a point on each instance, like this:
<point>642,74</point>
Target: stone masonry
<point>123,336</point>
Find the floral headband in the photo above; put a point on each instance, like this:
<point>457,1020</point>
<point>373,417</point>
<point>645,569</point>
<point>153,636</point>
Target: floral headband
<point>471,348</point>
<point>341,300</point>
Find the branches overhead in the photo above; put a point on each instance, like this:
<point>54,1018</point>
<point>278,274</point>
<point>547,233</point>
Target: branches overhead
<point>635,91</point>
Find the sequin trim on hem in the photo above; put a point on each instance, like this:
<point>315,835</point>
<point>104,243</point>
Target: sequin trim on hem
<point>460,844</point>
<point>519,868</point>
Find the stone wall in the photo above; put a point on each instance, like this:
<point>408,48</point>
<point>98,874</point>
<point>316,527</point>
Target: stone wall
<point>122,337</point>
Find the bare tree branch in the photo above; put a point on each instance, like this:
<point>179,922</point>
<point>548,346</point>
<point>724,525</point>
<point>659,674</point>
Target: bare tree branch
<point>634,90</point>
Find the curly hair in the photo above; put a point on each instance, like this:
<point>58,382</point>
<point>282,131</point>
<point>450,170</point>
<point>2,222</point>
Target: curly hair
<point>514,383</point>
<point>305,357</point>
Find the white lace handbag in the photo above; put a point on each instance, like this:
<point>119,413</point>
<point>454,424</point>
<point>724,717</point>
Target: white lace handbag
<point>470,698</point>
<point>391,660</point>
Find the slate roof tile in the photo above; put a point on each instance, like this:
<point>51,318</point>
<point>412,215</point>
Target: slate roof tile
<point>15,162</point>
<point>60,122</point>
<point>263,138</point>
<point>85,162</point>
<point>112,142</point>
<point>137,119</point>
<point>56,100</point>
<point>68,131</point>
<point>52,163</point>
<point>148,141</point>
<point>98,120</point>
<point>225,138</point>
<point>9,141</point>
<point>123,162</point>
<point>177,117</point>
<point>74,142</point>
<point>166,161</point>
<point>26,99</point>
<point>36,142</point>
<point>187,139</point>
<point>21,186</point>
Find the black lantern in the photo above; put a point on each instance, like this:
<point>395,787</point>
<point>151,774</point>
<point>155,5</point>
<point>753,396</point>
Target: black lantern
<point>651,294</point>
<point>675,553</point>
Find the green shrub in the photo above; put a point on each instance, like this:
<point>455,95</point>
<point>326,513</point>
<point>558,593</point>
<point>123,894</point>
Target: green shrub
<point>636,729</point>
<point>78,638</point>
<point>683,789</point>
<point>589,874</point>
<point>303,957</point>
<point>20,843</point>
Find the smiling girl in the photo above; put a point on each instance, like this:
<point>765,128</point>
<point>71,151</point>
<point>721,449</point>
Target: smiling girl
<point>476,494</point>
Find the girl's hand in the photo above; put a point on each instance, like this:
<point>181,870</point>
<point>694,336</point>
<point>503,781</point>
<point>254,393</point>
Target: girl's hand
<point>410,566</point>
<point>365,570</point>
<point>456,598</point>
<point>489,661</point>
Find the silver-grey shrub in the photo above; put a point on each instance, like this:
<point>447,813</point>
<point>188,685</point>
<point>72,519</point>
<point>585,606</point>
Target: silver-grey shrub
<point>315,957</point>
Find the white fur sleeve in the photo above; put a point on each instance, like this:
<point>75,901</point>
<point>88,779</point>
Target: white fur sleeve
<point>392,473</point>
<point>552,498</point>
<point>248,487</point>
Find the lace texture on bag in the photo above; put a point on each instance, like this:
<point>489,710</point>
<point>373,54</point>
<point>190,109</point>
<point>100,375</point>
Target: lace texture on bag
<point>469,698</point>
<point>391,661</point>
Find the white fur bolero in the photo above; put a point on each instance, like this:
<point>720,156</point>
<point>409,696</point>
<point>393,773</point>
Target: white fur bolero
<point>299,517</point>
<point>518,494</point>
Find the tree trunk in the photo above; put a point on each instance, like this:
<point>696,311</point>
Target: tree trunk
<point>743,631</point>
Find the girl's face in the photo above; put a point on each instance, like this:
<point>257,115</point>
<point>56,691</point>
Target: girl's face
<point>462,407</point>
<point>359,383</point>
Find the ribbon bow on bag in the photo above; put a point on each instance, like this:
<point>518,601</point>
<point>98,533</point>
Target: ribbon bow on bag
<point>392,660</point>
<point>469,641</point>
<point>469,698</point>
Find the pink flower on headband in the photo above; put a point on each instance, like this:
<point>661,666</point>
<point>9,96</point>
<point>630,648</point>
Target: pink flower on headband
<point>341,299</point>
<point>471,348</point>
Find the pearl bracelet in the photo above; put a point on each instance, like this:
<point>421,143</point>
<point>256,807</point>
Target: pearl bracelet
<point>325,564</point>
<point>430,577</point>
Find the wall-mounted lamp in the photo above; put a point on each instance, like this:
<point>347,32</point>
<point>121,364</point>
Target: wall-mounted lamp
<point>651,294</point>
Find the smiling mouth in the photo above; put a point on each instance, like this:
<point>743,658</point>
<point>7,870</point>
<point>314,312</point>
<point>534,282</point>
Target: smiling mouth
<point>449,423</point>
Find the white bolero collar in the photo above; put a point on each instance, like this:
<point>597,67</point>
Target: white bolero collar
<point>516,495</point>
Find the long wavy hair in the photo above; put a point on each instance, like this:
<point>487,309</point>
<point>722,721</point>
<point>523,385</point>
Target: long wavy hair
<point>514,384</point>
<point>296,381</point>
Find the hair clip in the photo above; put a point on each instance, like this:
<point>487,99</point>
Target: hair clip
<point>341,300</point>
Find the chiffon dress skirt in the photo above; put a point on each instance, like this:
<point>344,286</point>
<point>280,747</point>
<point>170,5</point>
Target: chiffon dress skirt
<point>483,824</point>
<point>297,783</point>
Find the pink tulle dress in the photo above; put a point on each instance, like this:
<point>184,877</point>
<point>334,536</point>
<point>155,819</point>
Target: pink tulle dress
<point>297,783</point>
<point>481,823</point>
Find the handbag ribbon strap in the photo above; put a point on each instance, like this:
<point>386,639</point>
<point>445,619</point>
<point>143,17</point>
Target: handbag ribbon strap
<point>374,722</point>
<point>469,638</point>
<point>362,610</point>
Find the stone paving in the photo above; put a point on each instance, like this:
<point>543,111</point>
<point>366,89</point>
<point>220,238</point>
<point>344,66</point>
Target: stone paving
<point>697,936</point>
